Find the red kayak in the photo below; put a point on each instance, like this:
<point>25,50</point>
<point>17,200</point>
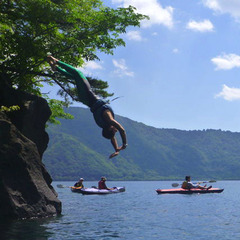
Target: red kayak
<point>189,191</point>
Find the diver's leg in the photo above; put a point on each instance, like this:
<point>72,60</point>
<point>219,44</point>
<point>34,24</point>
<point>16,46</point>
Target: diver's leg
<point>84,90</point>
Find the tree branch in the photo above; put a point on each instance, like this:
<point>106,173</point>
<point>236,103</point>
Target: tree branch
<point>64,89</point>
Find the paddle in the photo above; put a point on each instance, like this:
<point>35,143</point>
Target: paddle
<point>62,186</point>
<point>210,181</point>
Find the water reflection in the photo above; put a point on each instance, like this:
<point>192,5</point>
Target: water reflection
<point>25,229</point>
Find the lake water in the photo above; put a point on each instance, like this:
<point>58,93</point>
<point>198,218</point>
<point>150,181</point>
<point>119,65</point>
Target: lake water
<point>139,213</point>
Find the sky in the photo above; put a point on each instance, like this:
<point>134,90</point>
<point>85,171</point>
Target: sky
<point>180,69</point>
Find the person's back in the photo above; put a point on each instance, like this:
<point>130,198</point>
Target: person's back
<point>185,185</point>
<point>101,183</point>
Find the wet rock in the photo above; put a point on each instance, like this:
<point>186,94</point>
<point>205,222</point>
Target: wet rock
<point>25,185</point>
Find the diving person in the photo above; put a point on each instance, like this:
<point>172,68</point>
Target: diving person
<point>102,112</point>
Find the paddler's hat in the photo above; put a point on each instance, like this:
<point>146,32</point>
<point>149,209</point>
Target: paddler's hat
<point>103,178</point>
<point>81,179</point>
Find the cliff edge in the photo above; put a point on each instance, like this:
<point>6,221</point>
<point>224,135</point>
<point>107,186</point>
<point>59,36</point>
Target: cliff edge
<point>25,184</point>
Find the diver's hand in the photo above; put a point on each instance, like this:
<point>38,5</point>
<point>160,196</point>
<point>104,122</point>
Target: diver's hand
<point>52,62</point>
<point>51,58</point>
<point>114,154</point>
<point>118,150</point>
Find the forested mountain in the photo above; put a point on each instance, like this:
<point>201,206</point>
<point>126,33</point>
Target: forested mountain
<point>77,149</point>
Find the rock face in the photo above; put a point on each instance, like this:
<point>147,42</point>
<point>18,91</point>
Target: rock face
<point>25,185</point>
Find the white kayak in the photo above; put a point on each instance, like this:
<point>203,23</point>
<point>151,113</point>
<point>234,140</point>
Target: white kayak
<point>98,191</point>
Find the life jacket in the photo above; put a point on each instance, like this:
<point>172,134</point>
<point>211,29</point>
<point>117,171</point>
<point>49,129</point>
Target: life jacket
<point>78,185</point>
<point>102,185</point>
<point>185,185</point>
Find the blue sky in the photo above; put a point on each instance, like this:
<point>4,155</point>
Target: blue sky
<point>180,69</point>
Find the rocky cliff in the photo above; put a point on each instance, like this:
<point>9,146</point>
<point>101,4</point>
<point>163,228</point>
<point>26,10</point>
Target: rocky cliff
<point>25,185</point>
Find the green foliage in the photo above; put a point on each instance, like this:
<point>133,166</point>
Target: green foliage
<point>73,31</point>
<point>9,109</point>
<point>57,111</point>
<point>77,149</point>
<point>98,86</point>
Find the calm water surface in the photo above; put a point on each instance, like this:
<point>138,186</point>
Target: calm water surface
<point>139,213</point>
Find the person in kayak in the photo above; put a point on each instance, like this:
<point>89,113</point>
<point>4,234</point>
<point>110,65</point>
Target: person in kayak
<point>187,184</point>
<point>102,112</point>
<point>102,184</point>
<point>79,184</point>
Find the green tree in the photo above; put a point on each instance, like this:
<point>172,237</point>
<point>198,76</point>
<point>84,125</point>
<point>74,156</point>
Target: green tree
<point>71,30</point>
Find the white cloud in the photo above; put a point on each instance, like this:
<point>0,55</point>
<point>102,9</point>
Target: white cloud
<point>90,67</point>
<point>121,68</point>
<point>226,61</point>
<point>153,9</point>
<point>175,50</point>
<point>203,26</point>
<point>134,35</point>
<point>93,65</point>
<point>231,7</point>
<point>213,4</point>
<point>229,94</point>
